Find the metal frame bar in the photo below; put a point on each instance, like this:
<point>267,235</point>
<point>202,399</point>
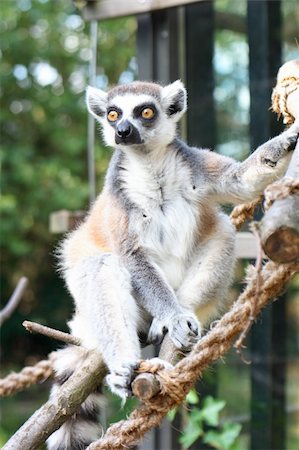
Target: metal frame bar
<point>91,120</point>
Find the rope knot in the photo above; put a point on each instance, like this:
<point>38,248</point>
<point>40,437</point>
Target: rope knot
<point>279,190</point>
<point>169,385</point>
<point>279,97</point>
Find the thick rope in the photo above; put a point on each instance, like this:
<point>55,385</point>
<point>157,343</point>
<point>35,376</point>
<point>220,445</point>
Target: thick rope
<point>178,381</point>
<point>28,376</point>
<point>244,212</point>
<point>279,97</point>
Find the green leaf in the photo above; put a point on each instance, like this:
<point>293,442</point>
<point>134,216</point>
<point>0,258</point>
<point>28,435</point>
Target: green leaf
<point>192,397</point>
<point>191,433</point>
<point>211,409</point>
<point>224,439</point>
<point>171,414</point>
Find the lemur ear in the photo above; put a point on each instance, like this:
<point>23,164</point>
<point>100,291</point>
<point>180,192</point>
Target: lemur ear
<point>174,99</point>
<point>96,101</point>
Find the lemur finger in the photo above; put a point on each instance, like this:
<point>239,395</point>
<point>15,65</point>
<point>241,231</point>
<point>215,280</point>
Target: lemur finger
<point>182,341</point>
<point>194,326</point>
<point>188,324</point>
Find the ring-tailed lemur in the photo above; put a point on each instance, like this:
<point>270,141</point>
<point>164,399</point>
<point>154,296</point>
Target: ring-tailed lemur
<point>155,252</point>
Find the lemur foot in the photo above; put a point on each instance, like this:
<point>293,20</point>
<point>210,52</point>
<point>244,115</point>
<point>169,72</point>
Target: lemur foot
<point>119,380</point>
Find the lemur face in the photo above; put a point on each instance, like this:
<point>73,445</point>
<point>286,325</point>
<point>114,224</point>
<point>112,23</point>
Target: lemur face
<point>140,115</point>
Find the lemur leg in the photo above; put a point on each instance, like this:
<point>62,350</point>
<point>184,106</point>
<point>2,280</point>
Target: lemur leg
<point>205,287</point>
<point>107,316</point>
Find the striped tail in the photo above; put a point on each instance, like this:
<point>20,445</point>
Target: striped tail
<point>83,427</point>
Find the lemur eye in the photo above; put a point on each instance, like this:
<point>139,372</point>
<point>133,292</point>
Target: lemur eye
<point>112,115</point>
<point>147,113</point>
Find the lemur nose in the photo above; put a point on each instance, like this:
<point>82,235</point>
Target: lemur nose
<point>124,129</point>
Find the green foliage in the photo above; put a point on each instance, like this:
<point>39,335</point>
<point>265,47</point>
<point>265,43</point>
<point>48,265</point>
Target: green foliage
<point>224,439</point>
<point>203,424</point>
<point>116,409</point>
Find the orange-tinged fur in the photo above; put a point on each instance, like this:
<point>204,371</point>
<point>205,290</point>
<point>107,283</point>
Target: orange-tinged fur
<point>207,223</point>
<point>211,163</point>
<point>101,232</point>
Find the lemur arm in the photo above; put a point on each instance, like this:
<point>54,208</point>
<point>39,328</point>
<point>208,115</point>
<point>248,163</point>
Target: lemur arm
<point>236,182</point>
<point>157,297</point>
<point>154,293</point>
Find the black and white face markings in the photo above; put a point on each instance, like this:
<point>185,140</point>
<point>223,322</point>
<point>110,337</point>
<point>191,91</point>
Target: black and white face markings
<point>128,128</point>
<point>138,113</point>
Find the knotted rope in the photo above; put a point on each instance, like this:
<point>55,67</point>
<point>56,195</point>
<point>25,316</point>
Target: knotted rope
<point>279,190</point>
<point>280,93</point>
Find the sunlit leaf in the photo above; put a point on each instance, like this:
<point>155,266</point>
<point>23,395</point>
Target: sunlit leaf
<point>192,397</point>
<point>191,433</point>
<point>225,438</point>
<point>171,414</point>
<point>211,409</point>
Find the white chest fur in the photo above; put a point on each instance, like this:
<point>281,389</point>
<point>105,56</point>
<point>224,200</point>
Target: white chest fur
<point>162,189</point>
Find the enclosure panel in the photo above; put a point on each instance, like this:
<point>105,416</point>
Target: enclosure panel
<point>264,36</point>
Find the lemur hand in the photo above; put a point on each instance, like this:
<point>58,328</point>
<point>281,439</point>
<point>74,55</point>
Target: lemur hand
<point>280,146</point>
<point>183,328</point>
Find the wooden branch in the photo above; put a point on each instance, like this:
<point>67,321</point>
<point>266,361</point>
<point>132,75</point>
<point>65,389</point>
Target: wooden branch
<point>279,228</point>
<point>145,386</point>
<point>66,401</point>
<point>34,327</point>
<point>14,300</point>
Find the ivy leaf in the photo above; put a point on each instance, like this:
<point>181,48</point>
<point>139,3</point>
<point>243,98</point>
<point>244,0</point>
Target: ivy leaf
<point>192,397</point>
<point>191,433</point>
<point>224,439</point>
<point>211,409</point>
<point>171,414</point>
